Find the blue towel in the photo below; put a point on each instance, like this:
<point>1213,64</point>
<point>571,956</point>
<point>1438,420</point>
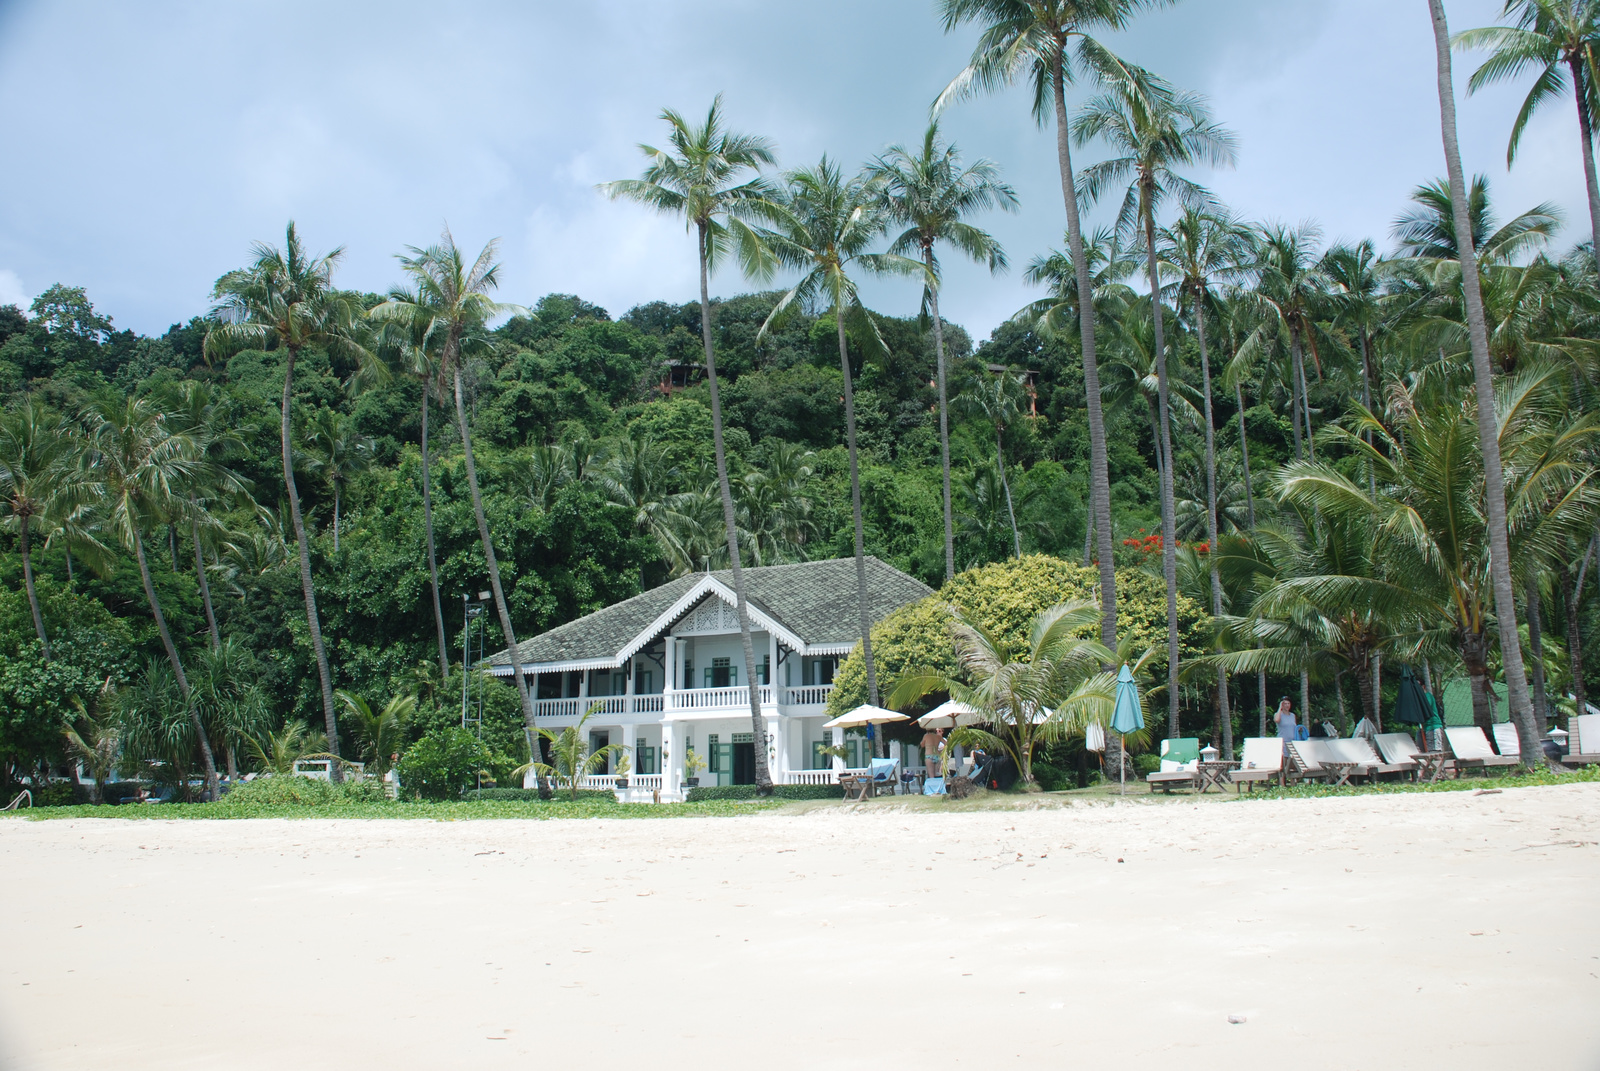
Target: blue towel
<point>933,786</point>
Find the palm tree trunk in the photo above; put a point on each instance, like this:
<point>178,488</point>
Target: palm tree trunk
<point>1541,709</point>
<point>314,624</point>
<point>1305,699</point>
<point>1211,518</point>
<point>862,613</point>
<point>1244,450</point>
<point>427,524</point>
<point>1294,388</point>
<point>1580,91</point>
<point>1305,409</point>
<point>200,575</point>
<point>1261,699</point>
<point>336,518</point>
<point>1361,664</point>
<point>1366,400</point>
<point>1169,531</point>
<point>1572,594</point>
<point>1488,431</point>
<point>758,722</point>
<point>177,666</point>
<point>1099,473</point>
<point>27,581</point>
<point>1011,513</point>
<point>944,418</point>
<point>528,718</point>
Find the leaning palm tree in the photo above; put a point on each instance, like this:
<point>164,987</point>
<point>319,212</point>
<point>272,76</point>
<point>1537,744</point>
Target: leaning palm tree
<point>37,478</point>
<point>454,295</point>
<point>1200,249</point>
<point>1488,427</point>
<point>1155,130</point>
<point>1548,35</point>
<point>139,464</point>
<point>928,192</point>
<point>1027,699</point>
<point>287,299</point>
<point>1031,39</point>
<point>706,178</point>
<point>822,226</point>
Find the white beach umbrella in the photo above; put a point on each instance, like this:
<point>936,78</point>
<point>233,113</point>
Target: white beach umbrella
<point>865,714</point>
<point>949,714</point>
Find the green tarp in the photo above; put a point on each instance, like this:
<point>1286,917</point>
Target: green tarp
<point>1458,702</point>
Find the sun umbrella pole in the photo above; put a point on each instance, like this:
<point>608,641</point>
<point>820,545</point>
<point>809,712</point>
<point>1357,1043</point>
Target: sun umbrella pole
<point>1122,764</point>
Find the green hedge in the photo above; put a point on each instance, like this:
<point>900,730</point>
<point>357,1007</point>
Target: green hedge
<point>306,791</point>
<point>533,794</point>
<point>780,792</point>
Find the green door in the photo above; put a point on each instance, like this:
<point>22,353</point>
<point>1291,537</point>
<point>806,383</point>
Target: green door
<point>722,763</point>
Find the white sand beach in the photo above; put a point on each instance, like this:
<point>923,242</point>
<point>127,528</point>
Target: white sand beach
<point>1450,929</point>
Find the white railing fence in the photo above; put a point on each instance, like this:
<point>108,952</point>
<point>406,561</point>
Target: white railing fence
<point>808,777</point>
<point>733,699</point>
<point>707,698</point>
<point>810,695</point>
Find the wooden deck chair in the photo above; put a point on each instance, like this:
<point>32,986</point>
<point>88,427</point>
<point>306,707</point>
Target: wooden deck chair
<point>1305,760</point>
<point>1583,740</point>
<point>1261,760</point>
<point>1506,741</point>
<point>1359,749</point>
<point>1399,748</point>
<point>1180,765</point>
<point>1470,748</point>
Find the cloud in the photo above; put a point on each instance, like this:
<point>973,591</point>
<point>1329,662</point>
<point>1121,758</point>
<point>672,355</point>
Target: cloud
<point>12,292</point>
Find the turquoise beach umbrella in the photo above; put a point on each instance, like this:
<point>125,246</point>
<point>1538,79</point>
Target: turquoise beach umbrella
<point>1126,718</point>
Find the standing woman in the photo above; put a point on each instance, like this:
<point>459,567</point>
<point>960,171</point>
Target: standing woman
<point>1284,718</point>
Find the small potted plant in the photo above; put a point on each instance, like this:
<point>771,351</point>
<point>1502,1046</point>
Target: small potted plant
<point>692,765</point>
<point>622,770</point>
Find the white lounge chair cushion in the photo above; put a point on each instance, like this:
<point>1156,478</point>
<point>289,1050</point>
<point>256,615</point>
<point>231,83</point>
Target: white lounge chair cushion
<point>1398,747</point>
<point>1468,742</point>
<point>1262,753</point>
<point>1585,739</point>
<point>1505,740</point>
<point>1355,750</point>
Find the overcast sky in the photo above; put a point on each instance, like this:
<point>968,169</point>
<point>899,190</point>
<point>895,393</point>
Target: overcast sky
<point>149,144</point>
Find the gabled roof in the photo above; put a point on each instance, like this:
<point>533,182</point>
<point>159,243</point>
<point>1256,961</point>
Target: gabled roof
<point>810,605</point>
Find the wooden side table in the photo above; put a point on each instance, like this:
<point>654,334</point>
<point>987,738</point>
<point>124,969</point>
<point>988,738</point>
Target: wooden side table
<point>1430,764</point>
<point>1215,773</point>
<point>1339,772</point>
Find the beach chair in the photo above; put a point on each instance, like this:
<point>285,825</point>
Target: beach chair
<point>1583,740</point>
<point>1261,760</point>
<point>885,775</point>
<point>1180,765</point>
<point>1470,748</point>
<point>1399,748</point>
<point>1305,760</point>
<point>1506,741</point>
<point>1359,749</point>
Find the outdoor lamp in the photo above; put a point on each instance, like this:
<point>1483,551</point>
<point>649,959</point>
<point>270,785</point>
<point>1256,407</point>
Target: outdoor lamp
<point>1208,754</point>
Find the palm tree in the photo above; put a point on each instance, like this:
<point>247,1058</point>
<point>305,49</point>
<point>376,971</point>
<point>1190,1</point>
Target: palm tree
<point>928,192</point>
<point>1028,699</point>
<point>1200,248</point>
<point>1155,130</point>
<point>408,345</point>
<point>1289,286</point>
<point>97,744</point>
<point>997,399</point>
<point>454,296</point>
<point>37,479</point>
<point>138,464</point>
<point>822,226</point>
<point>1428,230</point>
<point>571,759</point>
<point>1548,35</point>
<point>1030,39</point>
<point>337,452</point>
<point>636,478</point>
<point>231,704</point>
<point>287,299</point>
<point>276,753</point>
<point>1483,379</point>
<point>381,732</point>
<point>703,178</point>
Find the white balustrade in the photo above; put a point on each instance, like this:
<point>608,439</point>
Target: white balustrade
<point>810,695</point>
<point>559,708</point>
<point>808,777</point>
<point>709,698</point>
<point>733,699</point>
<point>647,704</point>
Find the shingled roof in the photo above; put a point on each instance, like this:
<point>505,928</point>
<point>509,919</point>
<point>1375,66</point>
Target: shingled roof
<point>815,601</point>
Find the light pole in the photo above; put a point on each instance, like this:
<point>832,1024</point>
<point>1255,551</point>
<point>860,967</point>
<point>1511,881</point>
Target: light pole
<point>470,613</point>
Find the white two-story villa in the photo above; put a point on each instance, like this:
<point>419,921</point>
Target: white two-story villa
<point>668,673</point>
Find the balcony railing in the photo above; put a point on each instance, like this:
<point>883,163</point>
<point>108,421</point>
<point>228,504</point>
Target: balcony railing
<point>697,699</point>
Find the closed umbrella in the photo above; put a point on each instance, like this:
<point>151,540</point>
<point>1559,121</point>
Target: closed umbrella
<point>1127,717</point>
<point>1411,706</point>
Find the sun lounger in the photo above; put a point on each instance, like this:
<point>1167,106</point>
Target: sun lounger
<point>1261,760</point>
<point>1583,739</point>
<point>1359,749</point>
<point>1305,760</point>
<point>1471,748</point>
<point>885,775</point>
<point>1180,765</point>
<point>1506,741</point>
<point>1399,748</point>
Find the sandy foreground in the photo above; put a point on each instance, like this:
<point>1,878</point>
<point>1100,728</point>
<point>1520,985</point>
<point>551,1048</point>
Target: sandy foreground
<point>1442,930</point>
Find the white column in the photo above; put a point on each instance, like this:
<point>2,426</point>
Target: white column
<point>671,761</point>
<point>583,690</point>
<point>627,691</point>
<point>778,756</point>
<point>624,736</point>
<point>772,661</point>
<point>894,753</point>
<point>838,760</point>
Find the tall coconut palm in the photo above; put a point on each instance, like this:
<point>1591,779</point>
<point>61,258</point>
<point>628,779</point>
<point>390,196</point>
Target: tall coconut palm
<point>139,465</point>
<point>453,293</point>
<point>336,452</point>
<point>1154,130</point>
<point>997,399</point>
<point>1548,35</point>
<point>286,298</point>
<point>1047,42</point>
<point>928,192</point>
<point>1200,249</point>
<point>822,226</point>
<point>196,410</point>
<point>1427,230</point>
<point>1289,286</point>
<point>709,177</point>
<point>1483,379</point>
<point>37,479</point>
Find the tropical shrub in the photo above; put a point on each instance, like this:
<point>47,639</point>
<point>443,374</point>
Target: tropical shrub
<point>305,792</point>
<point>780,792</point>
<point>443,763</point>
<point>1003,598</point>
<point>531,795</point>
